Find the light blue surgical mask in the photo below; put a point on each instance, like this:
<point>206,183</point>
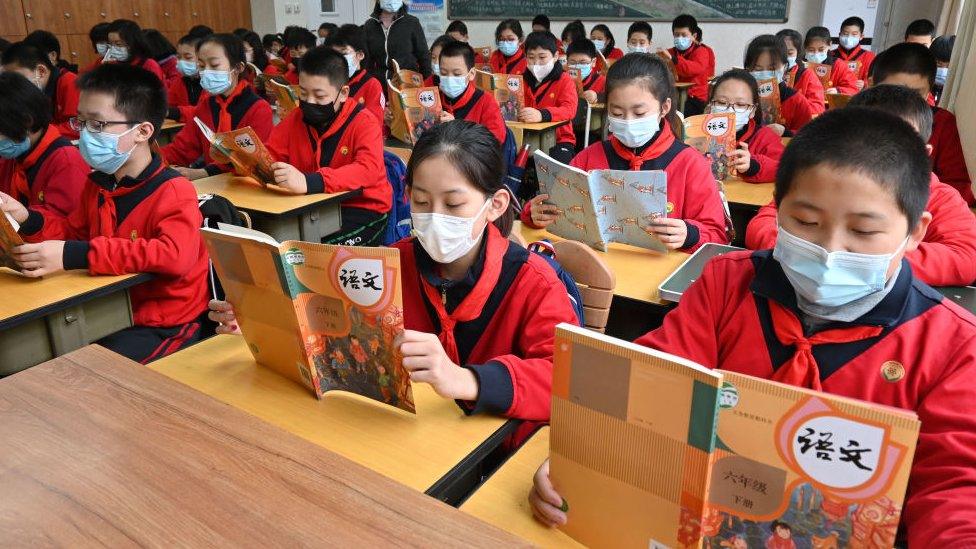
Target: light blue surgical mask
<point>187,68</point>
<point>453,86</point>
<point>636,132</point>
<point>352,62</point>
<point>682,42</point>
<point>831,279</point>
<point>391,6</point>
<point>585,70</point>
<point>638,49</point>
<point>599,44</point>
<point>508,47</point>
<point>741,118</point>
<point>941,74</point>
<point>101,48</point>
<point>117,53</point>
<point>101,150</point>
<point>849,42</point>
<point>436,68</point>
<point>818,57</point>
<point>790,62</point>
<point>13,149</point>
<point>763,75</point>
<point>780,73</point>
<point>215,82</point>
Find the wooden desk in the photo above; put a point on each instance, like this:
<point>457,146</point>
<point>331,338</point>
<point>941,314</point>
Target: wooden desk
<point>402,152</point>
<point>682,88</point>
<point>738,191</point>
<point>426,451</point>
<point>48,317</point>
<point>283,216</point>
<point>98,450</point>
<point>168,131</point>
<point>541,135</point>
<point>503,500</point>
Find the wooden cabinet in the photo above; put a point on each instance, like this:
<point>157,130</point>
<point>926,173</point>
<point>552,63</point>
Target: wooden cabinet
<point>89,13</point>
<point>77,49</point>
<point>45,14</point>
<point>12,23</point>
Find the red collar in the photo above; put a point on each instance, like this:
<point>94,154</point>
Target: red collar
<point>845,55</point>
<point>750,130</point>
<point>357,76</point>
<point>460,102</point>
<point>661,142</point>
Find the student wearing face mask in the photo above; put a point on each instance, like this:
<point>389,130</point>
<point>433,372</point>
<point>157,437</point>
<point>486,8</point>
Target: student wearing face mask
<point>299,41</point>
<point>184,93</point>
<point>572,32</point>
<point>509,57</point>
<point>816,44</point>
<point>479,311</point>
<point>58,86</point>
<point>127,44</point>
<point>758,148</point>
<point>551,93</point>
<point>98,35</point>
<point>692,61</point>
<point>850,51</point>
<point>605,44</point>
<point>331,144</point>
<point>435,53</point>
<point>765,59</point>
<point>254,54</point>
<point>798,76</point>
<point>350,41</point>
<point>644,136</point>
<point>639,37</point>
<point>581,56</point>
<point>459,96</point>
<point>392,33</point>
<point>229,103</point>
<point>942,50</point>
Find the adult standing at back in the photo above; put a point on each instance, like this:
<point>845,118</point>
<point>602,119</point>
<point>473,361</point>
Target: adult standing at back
<point>392,33</point>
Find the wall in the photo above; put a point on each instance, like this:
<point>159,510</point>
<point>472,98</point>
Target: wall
<point>891,25</point>
<point>270,16</point>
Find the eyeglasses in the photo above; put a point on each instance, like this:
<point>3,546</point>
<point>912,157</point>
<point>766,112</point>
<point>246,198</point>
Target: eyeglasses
<point>94,126</point>
<point>736,107</point>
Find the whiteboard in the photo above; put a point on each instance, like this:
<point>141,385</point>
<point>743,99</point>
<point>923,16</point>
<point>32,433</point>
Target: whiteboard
<point>835,11</point>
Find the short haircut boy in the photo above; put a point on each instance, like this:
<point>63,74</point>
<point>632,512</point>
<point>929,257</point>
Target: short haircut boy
<point>301,38</point>
<point>138,93</point>
<point>24,108</point>
<point>816,33</point>
<point>907,58</point>
<point>640,27</point>
<point>353,36</point>
<point>583,46</point>
<point>26,56</point>
<point>456,48</point>
<point>899,101</point>
<point>920,27</point>
<point>325,61</point>
<point>540,40</point>
<point>542,20</point>
<point>853,21</point>
<point>685,21</point>
<point>942,48</point>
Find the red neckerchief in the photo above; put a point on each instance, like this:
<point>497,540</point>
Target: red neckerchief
<point>344,113</point>
<point>472,305</point>
<point>853,55</point>
<point>801,370</point>
<point>460,102</point>
<point>664,140</point>
<point>224,121</point>
<point>106,210</point>
<point>751,130</point>
<point>19,185</point>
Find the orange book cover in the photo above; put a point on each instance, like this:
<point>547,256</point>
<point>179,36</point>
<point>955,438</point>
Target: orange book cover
<point>713,135</point>
<point>855,66</point>
<point>577,77</point>
<point>822,70</point>
<point>286,97</point>
<point>508,89</point>
<point>482,58</point>
<point>769,99</point>
<point>414,111</point>
<point>242,149</point>
<point>9,239</point>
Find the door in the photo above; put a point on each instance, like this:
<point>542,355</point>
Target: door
<point>12,23</point>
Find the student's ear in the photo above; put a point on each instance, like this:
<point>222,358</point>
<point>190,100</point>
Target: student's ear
<point>665,107</point>
<point>144,132</point>
<point>360,56</point>
<point>499,205</point>
<point>929,148</point>
<point>918,233</point>
<point>343,94</point>
<point>42,71</point>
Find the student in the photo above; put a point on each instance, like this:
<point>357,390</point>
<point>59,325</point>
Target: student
<point>692,61</point>
<point>766,58</point>
<point>457,30</point>
<point>98,35</point>
<point>942,50</point>
<point>331,144</point>
<point>200,31</point>
<point>183,94</point>
<point>350,41</point>
<point>914,66</point>
<point>805,82</point>
<point>38,166</point>
<point>574,30</point>
<point>787,314</point>
<point>551,93</point>
<point>581,55</point>
<point>817,47</point>
<point>603,41</point>
<point>459,96</point>
<point>161,51</point>
<point>643,126</point>
<point>758,147</point>
<point>299,42</point>
<point>48,43</point>
<point>58,86</point>
<point>229,103</point>
<point>135,216</point>
<point>947,254</point>
<point>435,55</point>
<point>254,54</point>
<point>479,311</point>
<point>326,30</point>
<point>639,37</point>
<point>541,23</point>
<point>273,44</point>
<point>509,58</point>
<point>858,59</point>
<point>920,31</point>
<point>128,45</point>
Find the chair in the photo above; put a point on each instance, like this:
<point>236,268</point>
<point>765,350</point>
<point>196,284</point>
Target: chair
<point>593,278</point>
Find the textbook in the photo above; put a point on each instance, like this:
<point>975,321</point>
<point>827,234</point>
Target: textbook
<point>822,70</point>
<point>414,110</point>
<point>9,239</point>
<point>855,66</point>
<point>286,96</point>
<point>323,316</point>
<point>652,450</point>
<point>674,286</point>
<point>404,78</point>
<point>243,150</point>
<point>604,206</point>
<point>577,77</point>
<point>669,62</point>
<point>769,99</point>
<point>713,135</point>
<point>482,58</point>
<point>508,90</point>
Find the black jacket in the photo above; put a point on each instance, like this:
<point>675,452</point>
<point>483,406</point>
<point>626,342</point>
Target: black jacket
<point>405,43</point>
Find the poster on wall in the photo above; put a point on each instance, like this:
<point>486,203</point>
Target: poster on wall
<point>432,17</point>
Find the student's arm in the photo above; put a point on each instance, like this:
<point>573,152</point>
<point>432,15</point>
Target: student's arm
<point>490,116</point>
<point>566,102</point>
<point>278,140</point>
<point>64,176</point>
<point>50,225</point>
<point>186,147</point>
<point>374,100</point>
<point>797,111</point>
<point>702,208</point>
<point>844,80</point>
<point>692,65</point>
<point>947,256</point>
<point>948,161</point>
<point>762,229</point>
<point>812,90</point>
<point>367,154</point>
<point>765,151</point>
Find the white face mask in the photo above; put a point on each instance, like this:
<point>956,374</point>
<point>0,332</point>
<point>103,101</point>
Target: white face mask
<point>634,133</point>
<point>446,237</point>
<point>542,71</point>
<point>741,118</point>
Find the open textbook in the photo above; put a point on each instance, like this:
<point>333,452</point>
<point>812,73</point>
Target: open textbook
<point>651,450</point>
<point>822,70</point>
<point>9,239</point>
<point>404,78</point>
<point>507,89</point>
<point>770,101</point>
<point>713,135</point>
<point>414,110</point>
<point>604,206</point>
<point>243,150</point>
<point>286,96</point>
<point>324,316</point>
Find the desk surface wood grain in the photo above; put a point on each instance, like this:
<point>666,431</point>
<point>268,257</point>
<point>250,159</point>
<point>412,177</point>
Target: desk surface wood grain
<point>248,194</point>
<point>27,298</point>
<point>98,450</point>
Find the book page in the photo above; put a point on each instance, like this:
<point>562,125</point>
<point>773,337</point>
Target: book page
<point>627,202</point>
<point>569,191</point>
<point>713,135</point>
<point>770,101</point>
<point>419,110</point>
<point>9,239</point>
<point>286,97</point>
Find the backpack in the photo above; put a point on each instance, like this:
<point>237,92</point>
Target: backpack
<point>544,249</point>
<point>217,209</point>
<point>398,222</point>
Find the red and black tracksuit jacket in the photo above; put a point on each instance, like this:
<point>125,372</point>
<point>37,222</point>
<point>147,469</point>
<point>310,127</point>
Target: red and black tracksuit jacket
<point>368,92</point>
<point>841,76</point>
<point>183,96</point>
<point>508,65</point>
<point>499,321</point>
<point>765,150</point>
<point>171,73</point>
<point>240,109</point>
<point>596,83</point>
<point>858,58</point>
<point>291,75</point>
<point>47,178</point>
<point>795,108</point>
<point>948,161</point>
<point>148,64</point>
<point>147,224</point>
<point>696,64</point>
<point>556,98</point>
<point>63,94</point>
<point>346,157</point>
<point>806,83</point>
<point>725,321</point>
<point>476,106</point>
<point>945,257</point>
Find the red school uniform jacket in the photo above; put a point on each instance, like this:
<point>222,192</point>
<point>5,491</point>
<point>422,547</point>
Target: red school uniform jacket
<point>946,255</point>
<point>504,316</point>
<point>149,65</point>
<point>795,109</point>
<point>806,83</point>
<point>841,76</point>
<point>241,108</point>
<point>47,178</point>
<point>476,106</point>
<point>556,98</point>
<point>147,224</point>
<point>948,161</point>
<point>725,320</point>
<point>696,65</point>
<point>368,91</point>
<point>292,75</point>
<point>595,82</point>
<point>63,93</point>
<point>765,150</point>
<point>692,192</point>
<point>184,94</point>
<point>347,157</point>
<point>508,65</point>
<point>170,71</point>
<point>858,58</point>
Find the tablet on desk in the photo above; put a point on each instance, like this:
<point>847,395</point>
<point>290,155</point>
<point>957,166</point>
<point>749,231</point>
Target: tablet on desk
<point>689,271</point>
<point>964,296</point>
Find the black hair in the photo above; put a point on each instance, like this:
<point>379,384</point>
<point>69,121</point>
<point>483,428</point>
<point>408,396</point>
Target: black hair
<point>611,43</point>
<point>258,56</point>
<point>573,31</point>
<point>24,108</point>
<point>44,41</point>
<point>544,40</point>
<point>200,31</point>
<point>899,101</point>
<point>697,33</point>
<point>816,33</point>
<point>268,40</point>
<point>300,37</point>
<point>240,32</point>
<point>232,45</point>
<point>942,48</point>
<point>27,56</point>
<point>456,48</point>
<point>139,95</point>
<point>350,35</point>
<point>764,43</point>
<point>651,73</point>
<point>745,77</point>
<point>440,42</point>
<point>512,25</point>
<point>4,44</point>
<point>779,524</point>
<point>325,61</point>
<point>189,40</point>
<point>290,31</point>
<point>131,34</point>
<point>457,26</point>
<point>685,21</point>
<point>330,28</point>
<point>884,148</point>
<point>906,57</point>
<point>642,27</point>
<point>473,151</point>
<point>159,46</point>
<point>795,39</point>
<point>584,46</point>
<point>98,33</point>
<point>920,27</point>
<point>542,20</point>
<point>854,21</point>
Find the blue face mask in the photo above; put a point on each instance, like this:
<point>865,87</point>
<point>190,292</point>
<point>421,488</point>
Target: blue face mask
<point>682,42</point>
<point>391,6</point>
<point>101,150</point>
<point>763,75</point>
<point>818,57</point>
<point>638,49</point>
<point>101,48</point>
<point>353,63</point>
<point>790,62</point>
<point>849,42</point>
<point>453,86</point>
<point>13,149</point>
<point>187,68</point>
<point>941,74</point>
<point>117,53</point>
<point>599,44</point>
<point>636,132</point>
<point>585,70</point>
<point>508,47</point>
<point>215,82</point>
